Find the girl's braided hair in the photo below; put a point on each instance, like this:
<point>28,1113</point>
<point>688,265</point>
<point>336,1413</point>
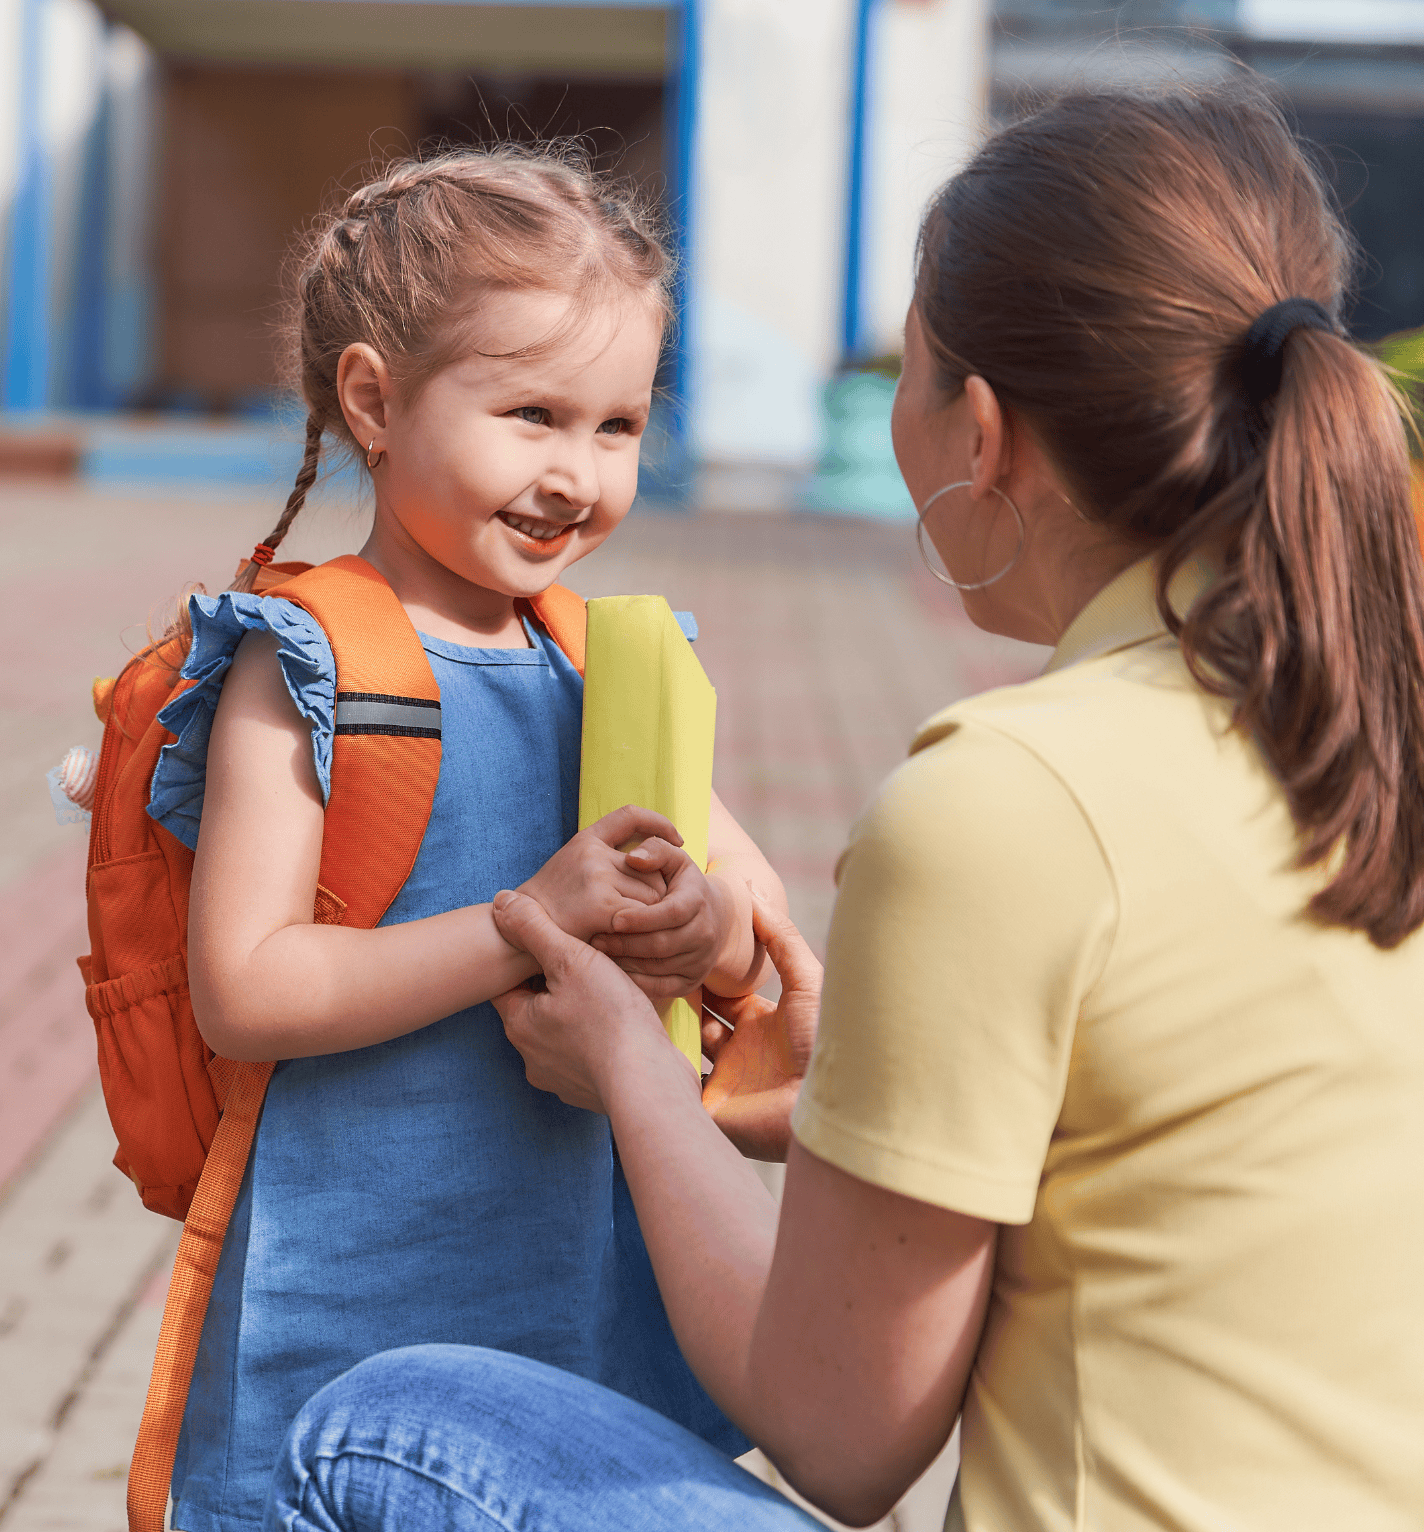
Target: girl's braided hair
<point>403,263</point>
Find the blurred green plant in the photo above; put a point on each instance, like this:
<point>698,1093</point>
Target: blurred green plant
<point>887,364</point>
<point>1404,352</point>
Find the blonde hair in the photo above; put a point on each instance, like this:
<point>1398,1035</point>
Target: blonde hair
<point>403,263</point>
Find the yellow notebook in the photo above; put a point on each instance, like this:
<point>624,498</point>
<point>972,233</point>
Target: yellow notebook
<point>649,717</point>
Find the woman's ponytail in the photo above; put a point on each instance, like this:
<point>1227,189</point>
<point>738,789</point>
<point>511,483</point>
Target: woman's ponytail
<point>1316,630</point>
<point>1171,336</point>
<point>306,477</point>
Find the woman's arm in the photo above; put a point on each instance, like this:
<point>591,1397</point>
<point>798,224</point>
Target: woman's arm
<point>267,982</point>
<point>840,1340</point>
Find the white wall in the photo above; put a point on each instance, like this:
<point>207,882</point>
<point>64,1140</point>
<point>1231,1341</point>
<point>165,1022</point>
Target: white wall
<point>928,101</point>
<point>72,67</point>
<point>134,152</point>
<point>768,229</point>
<point>770,199</point>
<point>10,26</point>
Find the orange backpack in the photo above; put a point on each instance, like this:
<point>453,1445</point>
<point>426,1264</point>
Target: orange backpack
<point>184,1117</point>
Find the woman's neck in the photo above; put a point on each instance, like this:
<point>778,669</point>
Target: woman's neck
<point>1063,564</point>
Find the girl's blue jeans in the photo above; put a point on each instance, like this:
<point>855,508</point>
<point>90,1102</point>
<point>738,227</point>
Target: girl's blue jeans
<point>461,1439</point>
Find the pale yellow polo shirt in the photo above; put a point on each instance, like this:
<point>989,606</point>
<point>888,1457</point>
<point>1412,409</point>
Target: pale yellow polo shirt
<point>1070,989</point>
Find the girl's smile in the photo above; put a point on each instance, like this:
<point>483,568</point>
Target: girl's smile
<point>546,537</point>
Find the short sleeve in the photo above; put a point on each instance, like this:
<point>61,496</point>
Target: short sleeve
<point>219,624</point>
<point>975,911</point>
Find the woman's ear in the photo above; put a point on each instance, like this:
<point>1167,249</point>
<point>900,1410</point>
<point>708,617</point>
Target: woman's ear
<point>363,384</point>
<point>990,451</point>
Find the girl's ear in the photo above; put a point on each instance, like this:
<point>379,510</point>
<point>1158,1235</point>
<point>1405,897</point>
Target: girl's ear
<point>363,384</point>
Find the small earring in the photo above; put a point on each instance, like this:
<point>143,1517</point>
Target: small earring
<point>373,457</point>
<point>944,579</point>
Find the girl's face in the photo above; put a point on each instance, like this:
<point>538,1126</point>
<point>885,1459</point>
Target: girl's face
<point>505,470</point>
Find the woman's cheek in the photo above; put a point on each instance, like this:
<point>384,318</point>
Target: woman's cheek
<point>904,439</point>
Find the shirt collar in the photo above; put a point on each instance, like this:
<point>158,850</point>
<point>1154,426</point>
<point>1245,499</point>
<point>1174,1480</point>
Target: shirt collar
<point>1125,611</point>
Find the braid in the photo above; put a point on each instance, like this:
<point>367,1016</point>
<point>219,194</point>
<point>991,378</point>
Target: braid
<point>306,477</point>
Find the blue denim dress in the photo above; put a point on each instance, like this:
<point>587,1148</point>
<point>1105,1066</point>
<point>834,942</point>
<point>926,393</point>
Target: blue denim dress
<point>419,1190</point>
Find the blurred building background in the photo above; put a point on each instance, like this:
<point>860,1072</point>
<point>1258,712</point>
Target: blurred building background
<point>1351,73</point>
<point>157,156</point>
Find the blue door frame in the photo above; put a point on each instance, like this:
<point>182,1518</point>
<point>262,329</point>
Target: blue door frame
<point>680,118</point>
<point>855,323</point>
<point>28,339</point>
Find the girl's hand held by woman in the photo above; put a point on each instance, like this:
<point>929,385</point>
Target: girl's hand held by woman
<point>672,946</point>
<point>570,1033</point>
<point>700,934</point>
<point>569,1048</point>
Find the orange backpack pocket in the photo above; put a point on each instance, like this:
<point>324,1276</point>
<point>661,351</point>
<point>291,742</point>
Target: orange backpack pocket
<point>154,1068</point>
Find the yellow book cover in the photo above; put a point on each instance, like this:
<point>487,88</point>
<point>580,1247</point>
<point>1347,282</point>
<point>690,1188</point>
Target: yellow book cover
<point>649,718</point>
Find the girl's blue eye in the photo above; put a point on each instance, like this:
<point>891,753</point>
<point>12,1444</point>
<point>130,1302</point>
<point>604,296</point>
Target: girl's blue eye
<point>535,414</point>
<point>614,427</point>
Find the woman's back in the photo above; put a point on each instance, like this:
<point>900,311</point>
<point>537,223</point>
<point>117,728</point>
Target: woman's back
<point>1198,1115</point>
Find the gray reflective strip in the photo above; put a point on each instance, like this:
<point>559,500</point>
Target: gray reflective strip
<point>385,715</point>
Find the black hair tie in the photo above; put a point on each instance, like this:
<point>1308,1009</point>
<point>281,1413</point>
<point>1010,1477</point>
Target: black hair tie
<point>1263,349</point>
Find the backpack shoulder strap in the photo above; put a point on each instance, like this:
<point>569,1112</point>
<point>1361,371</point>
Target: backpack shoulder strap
<point>194,1267</point>
<point>565,619</point>
<point>384,767</point>
<point>385,758</point>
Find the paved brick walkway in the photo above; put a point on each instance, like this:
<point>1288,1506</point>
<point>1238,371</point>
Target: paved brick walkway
<point>826,641</point>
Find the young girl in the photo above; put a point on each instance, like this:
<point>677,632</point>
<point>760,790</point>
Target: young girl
<point>483,329</point>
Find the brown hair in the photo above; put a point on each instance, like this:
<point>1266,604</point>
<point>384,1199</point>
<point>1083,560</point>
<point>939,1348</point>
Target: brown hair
<point>1099,264</point>
<point>403,262</point>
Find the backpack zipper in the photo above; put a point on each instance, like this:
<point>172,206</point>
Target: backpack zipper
<point>108,750</point>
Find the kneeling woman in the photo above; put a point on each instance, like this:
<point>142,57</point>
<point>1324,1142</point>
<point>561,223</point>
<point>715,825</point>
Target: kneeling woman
<point>1113,1136</point>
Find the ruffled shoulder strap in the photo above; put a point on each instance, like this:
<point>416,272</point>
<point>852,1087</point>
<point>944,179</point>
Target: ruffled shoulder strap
<point>354,667</point>
<point>219,624</point>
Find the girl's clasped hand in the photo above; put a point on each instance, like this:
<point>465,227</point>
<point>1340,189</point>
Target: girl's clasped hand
<point>650,908</point>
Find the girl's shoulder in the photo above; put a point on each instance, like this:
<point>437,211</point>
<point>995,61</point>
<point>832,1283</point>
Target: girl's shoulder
<point>220,623</point>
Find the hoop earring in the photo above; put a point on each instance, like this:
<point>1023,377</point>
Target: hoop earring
<point>373,458</point>
<point>944,579</point>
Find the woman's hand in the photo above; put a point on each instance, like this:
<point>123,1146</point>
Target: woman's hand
<point>573,1031</point>
<point>840,1341</point>
<point>757,1068</point>
<point>588,880</point>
